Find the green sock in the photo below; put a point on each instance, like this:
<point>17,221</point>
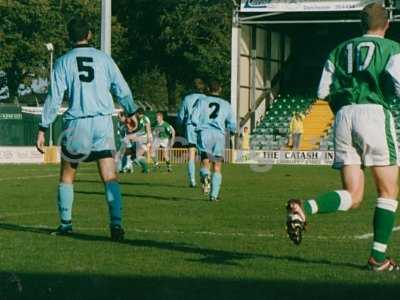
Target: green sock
<point>143,163</point>
<point>329,202</point>
<point>384,220</point>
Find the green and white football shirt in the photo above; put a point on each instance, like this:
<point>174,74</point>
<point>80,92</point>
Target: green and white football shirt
<point>359,71</point>
<point>142,125</point>
<point>162,131</point>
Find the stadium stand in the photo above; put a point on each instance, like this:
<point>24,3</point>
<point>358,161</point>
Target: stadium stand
<point>326,143</point>
<point>273,131</point>
<point>317,125</point>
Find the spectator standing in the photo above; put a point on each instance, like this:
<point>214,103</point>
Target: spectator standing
<point>245,143</point>
<point>297,130</point>
<point>246,139</point>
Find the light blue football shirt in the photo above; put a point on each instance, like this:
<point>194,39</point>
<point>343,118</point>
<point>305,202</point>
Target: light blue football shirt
<point>188,107</point>
<point>90,77</point>
<point>214,113</point>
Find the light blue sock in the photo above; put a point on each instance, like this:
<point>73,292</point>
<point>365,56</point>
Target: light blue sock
<point>114,201</point>
<point>192,171</point>
<point>65,201</point>
<point>216,184</point>
<point>204,172</point>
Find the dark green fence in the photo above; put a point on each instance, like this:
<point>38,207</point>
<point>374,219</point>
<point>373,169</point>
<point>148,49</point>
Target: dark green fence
<point>11,126</point>
<point>19,128</point>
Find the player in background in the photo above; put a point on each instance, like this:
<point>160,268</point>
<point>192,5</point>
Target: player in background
<point>89,77</point>
<point>213,117</point>
<point>352,82</point>
<point>189,104</point>
<point>142,139</point>
<point>124,128</point>
<point>164,137</point>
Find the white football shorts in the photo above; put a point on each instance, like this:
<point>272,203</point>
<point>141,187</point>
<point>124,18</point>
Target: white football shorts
<point>364,134</point>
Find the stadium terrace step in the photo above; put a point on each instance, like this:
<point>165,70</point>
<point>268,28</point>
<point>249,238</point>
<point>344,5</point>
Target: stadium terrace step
<point>316,125</point>
<point>272,133</point>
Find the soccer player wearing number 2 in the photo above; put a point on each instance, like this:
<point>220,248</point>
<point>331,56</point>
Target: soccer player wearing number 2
<point>353,81</point>
<point>212,118</point>
<point>89,77</point>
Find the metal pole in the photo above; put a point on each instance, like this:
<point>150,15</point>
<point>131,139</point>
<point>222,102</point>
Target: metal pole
<point>51,84</point>
<point>253,83</point>
<point>235,56</point>
<point>391,10</point>
<point>106,26</point>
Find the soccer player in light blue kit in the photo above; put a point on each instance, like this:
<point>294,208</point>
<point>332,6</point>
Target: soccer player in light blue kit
<point>89,77</point>
<point>189,104</point>
<point>213,118</point>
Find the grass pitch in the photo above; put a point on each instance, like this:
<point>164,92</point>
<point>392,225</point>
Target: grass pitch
<point>179,246</point>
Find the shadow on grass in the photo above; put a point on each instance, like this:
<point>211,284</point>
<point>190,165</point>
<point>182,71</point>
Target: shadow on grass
<point>207,256</point>
<point>98,286</point>
<point>154,197</point>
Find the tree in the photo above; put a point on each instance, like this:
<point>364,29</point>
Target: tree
<point>22,38</point>
<point>201,42</point>
<point>27,25</point>
<point>183,39</point>
<point>168,41</point>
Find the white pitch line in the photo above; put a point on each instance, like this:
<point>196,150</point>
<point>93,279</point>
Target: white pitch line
<point>43,176</point>
<point>29,177</point>
<point>199,233</point>
<point>369,235</point>
<point>20,214</point>
<point>203,233</point>
<point>210,233</point>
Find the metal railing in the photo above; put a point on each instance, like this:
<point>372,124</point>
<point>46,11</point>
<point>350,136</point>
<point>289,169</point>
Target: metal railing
<point>181,155</point>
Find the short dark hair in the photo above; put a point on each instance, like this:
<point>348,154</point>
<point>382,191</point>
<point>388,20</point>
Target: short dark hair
<point>160,113</point>
<point>140,111</point>
<point>78,29</point>
<point>215,86</point>
<point>374,16</point>
<point>199,85</point>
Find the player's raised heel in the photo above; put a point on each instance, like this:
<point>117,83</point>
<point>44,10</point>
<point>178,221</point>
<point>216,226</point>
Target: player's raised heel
<point>62,230</point>
<point>388,265</point>
<point>206,185</point>
<point>117,233</point>
<point>296,221</point>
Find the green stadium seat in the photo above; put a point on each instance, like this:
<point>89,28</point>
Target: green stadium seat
<point>272,133</point>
